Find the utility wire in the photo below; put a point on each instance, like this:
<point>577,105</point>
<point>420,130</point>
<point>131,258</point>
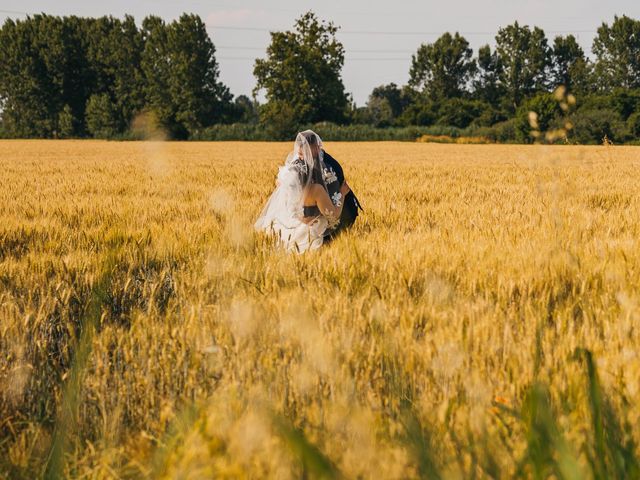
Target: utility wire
<point>231,5</point>
<point>374,32</point>
<point>14,12</point>
<point>228,47</point>
<point>357,59</point>
<point>350,32</point>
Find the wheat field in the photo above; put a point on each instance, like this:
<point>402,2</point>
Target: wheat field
<point>480,320</point>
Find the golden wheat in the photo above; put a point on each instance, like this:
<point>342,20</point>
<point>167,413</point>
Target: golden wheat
<point>395,352</point>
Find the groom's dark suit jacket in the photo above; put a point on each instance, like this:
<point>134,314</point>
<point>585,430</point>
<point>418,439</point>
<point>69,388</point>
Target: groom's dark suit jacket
<point>351,203</point>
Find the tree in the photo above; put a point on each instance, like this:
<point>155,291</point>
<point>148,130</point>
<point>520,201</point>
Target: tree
<point>525,59</point>
<point>570,67</point>
<point>75,75</point>
<point>421,111</point>
<point>302,77</point>
<point>547,111</point>
<point>23,82</point>
<point>385,105</point>
<point>633,123</point>
<point>114,54</point>
<point>66,127</point>
<point>617,50</point>
<point>486,84</point>
<point>245,110</point>
<point>592,126</point>
<point>102,116</point>
<point>461,112</point>
<point>42,70</point>
<point>181,75</point>
<point>442,69</point>
<point>378,112</point>
<point>397,98</point>
<point>623,101</point>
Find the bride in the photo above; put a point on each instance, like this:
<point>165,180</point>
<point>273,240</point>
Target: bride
<point>300,211</point>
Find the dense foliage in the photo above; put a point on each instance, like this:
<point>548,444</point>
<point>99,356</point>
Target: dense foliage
<point>75,77</point>
<point>301,76</point>
<point>91,77</point>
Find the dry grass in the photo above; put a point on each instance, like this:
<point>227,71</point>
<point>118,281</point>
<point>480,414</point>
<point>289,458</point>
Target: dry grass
<point>147,331</point>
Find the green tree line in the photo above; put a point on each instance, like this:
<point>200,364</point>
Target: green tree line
<point>77,77</point>
<point>66,77</point>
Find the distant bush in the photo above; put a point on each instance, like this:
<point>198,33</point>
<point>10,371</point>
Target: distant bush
<point>348,133</point>
<point>327,131</point>
<point>622,101</point>
<point>458,140</point>
<point>378,113</point>
<point>633,126</point>
<point>501,132</point>
<point>591,126</point>
<point>234,131</point>
<point>460,112</point>
<point>419,113</point>
<point>547,111</point>
<point>460,121</point>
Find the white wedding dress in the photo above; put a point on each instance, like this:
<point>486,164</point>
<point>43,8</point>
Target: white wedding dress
<point>282,217</point>
<point>283,214</point>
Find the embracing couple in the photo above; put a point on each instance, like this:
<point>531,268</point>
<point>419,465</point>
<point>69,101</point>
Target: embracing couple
<point>312,201</point>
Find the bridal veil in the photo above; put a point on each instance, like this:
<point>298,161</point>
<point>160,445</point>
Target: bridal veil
<point>283,213</point>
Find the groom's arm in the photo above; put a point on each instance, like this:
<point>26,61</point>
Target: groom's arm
<point>333,163</point>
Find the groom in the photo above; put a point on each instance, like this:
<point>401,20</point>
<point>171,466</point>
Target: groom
<point>334,178</point>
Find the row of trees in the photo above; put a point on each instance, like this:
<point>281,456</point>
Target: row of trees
<point>449,86</point>
<point>71,76</point>
<point>74,77</point>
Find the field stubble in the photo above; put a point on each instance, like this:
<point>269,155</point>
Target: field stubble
<point>480,319</point>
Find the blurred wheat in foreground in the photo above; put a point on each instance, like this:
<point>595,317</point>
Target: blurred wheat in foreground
<point>479,321</point>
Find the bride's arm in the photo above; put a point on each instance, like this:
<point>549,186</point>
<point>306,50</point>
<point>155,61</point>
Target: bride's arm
<point>325,204</point>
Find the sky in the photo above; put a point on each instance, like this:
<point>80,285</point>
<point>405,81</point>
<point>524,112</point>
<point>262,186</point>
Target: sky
<point>379,37</point>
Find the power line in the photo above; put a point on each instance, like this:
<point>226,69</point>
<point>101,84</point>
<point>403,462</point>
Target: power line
<point>298,11</point>
<point>353,32</point>
<point>14,12</point>
<point>374,32</point>
<point>228,47</point>
<point>357,59</point>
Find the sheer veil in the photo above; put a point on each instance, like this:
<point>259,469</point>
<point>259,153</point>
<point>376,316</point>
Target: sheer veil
<point>284,211</point>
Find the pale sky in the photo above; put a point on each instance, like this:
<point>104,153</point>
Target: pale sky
<point>379,37</point>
